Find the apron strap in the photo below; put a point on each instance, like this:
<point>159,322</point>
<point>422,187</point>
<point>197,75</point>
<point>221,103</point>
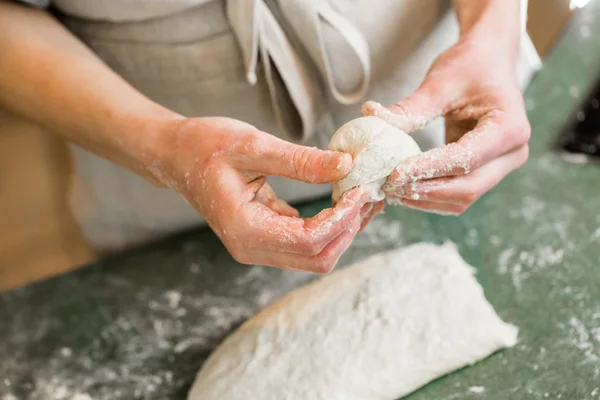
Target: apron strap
<point>293,94</point>
<point>307,18</point>
<point>357,43</point>
<point>287,79</point>
<point>243,16</point>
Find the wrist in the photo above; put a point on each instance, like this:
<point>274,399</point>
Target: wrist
<point>495,24</point>
<point>142,136</point>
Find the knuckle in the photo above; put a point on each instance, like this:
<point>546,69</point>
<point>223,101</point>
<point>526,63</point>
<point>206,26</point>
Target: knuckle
<point>239,255</point>
<point>463,208</point>
<point>525,155</point>
<point>238,242</point>
<point>522,132</point>
<point>469,197</point>
<point>323,266</point>
<point>473,159</point>
<point>247,144</point>
<point>186,126</point>
<point>311,247</point>
<point>402,108</point>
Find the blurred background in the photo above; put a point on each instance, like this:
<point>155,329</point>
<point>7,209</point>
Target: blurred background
<point>39,237</point>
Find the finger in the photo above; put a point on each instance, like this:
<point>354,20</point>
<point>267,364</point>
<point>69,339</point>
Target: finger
<point>269,155</point>
<point>269,231</point>
<point>322,263</point>
<point>464,189</point>
<point>329,223</point>
<point>431,206</point>
<point>413,112</point>
<point>493,136</point>
<point>267,196</point>
<point>377,209</point>
<point>366,209</point>
<point>283,208</point>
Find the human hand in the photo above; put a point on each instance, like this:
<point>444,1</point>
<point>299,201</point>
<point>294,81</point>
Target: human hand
<point>220,166</point>
<point>473,85</point>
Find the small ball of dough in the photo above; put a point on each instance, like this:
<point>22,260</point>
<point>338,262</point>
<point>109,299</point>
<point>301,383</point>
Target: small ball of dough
<point>377,148</point>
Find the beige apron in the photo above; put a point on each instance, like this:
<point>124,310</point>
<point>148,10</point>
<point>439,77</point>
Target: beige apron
<point>293,68</point>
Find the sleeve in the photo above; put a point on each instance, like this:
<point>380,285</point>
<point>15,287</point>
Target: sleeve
<point>524,4</point>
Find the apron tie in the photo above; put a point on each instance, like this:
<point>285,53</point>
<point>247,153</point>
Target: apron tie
<point>307,18</point>
<point>293,91</point>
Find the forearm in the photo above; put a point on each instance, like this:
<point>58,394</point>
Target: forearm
<point>48,76</point>
<point>496,20</point>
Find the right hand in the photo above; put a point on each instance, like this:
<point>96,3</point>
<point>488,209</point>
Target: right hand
<point>220,166</point>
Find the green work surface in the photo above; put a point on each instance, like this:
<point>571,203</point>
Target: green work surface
<point>138,326</point>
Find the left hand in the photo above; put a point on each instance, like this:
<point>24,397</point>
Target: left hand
<point>473,85</point>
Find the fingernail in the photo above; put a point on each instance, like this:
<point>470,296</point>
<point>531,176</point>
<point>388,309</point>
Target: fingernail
<point>413,191</point>
<point>336,160</point>
<point>351,196</point>
<point>366,208</point>
<point>393,201</point>
<point>370,108</point>
<point>395,191</point>
<point>404,203</point>
<point>365,197</point>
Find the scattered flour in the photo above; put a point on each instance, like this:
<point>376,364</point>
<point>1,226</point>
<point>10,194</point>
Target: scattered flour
<point>495,240</point>
<point>583,339</point>
<point>574,91</point>
<point>504,259</point>
<point>252,275</point>
<point>472,238</point>
<point>595,236</point>
<point>144,353</point>
<point>66,352</point>
<point>575,158</point>
<point>173,297</point>
<point>525,264</point>
<point>530,210</point>
<point>547,164</point>
<point>380,232</point>
<point>194,268</point>
<point>596,334</point>
<point>477,389</point>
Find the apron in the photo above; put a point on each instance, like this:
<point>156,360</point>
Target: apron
<point>294,68</point>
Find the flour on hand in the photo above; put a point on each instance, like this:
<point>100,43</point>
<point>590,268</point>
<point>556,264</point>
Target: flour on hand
<point>377,330</point>
<point>377,148</point>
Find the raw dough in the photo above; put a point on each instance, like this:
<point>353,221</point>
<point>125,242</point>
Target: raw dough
<point>377,148</point>
<point>377,330</point>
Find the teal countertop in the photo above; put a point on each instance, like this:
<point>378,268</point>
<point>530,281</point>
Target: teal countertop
<point>139,326</point>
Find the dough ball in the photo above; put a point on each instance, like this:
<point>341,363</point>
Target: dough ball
<point>377,148</point>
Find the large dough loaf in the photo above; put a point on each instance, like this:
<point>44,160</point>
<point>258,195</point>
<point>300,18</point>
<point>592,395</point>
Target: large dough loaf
<point>377,330</point>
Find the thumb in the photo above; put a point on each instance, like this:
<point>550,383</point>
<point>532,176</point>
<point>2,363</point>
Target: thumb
<point>412,113</point>
<point>313,165</point>
<point>308,164</point>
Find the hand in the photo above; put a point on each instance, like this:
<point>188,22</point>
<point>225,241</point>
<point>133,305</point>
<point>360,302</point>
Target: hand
<point>473,86</point>
<point>220,166</point>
